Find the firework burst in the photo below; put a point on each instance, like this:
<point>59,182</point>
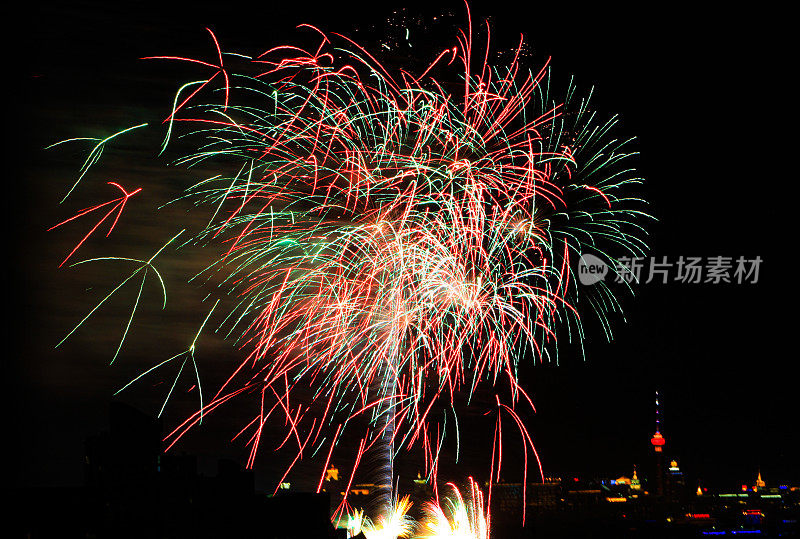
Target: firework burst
<point>395,240</point>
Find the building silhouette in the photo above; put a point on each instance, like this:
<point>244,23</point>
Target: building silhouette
<point>132,490</point>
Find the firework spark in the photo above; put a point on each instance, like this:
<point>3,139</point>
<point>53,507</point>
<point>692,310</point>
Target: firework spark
<point>459,519</point>
<point>393,524</point>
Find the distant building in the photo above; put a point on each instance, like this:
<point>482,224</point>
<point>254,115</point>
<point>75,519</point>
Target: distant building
<point>636,485</point>
<point>421,489</point>
<point>676,486</point>
<point>633,484</point>
<point>760,484</point>
<point>545,496</point>
<point>332,474</point>
<point>507,498</point>
<point>333,484</point>
<point>658,442</point>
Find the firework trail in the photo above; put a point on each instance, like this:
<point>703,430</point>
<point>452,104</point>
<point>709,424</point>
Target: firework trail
<point>394,240</point>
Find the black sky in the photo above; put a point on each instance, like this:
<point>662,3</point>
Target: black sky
<point>704,91</point>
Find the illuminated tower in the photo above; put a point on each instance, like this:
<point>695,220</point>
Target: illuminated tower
<point>658,446</point>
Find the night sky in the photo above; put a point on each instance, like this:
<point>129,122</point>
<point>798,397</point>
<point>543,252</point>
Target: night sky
<point>703,91</point>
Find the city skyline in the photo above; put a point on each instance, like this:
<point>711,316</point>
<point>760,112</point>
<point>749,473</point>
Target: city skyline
<point>714,351</point>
